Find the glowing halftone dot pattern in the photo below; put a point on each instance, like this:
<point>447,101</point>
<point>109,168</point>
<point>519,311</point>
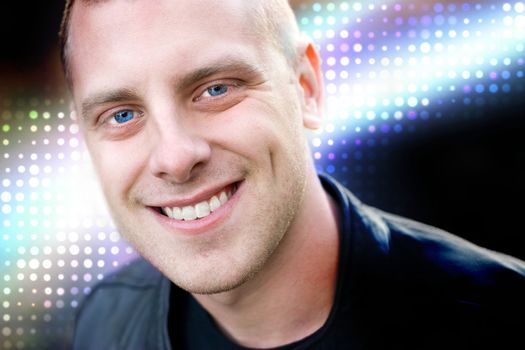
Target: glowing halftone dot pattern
<point>57,238</point>
<point>389,66</point>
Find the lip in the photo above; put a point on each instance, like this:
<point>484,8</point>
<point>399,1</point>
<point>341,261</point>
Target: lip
<point>200,196</point>
<point>201,225</point>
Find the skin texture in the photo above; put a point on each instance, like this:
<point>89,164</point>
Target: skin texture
<point>274,250</point>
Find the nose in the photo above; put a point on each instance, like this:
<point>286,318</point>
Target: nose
<point>177,152</point>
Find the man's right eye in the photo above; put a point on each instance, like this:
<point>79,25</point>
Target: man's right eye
<point>122,117</point>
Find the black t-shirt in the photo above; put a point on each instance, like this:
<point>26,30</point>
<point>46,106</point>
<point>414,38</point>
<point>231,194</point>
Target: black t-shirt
<point>400,285</point>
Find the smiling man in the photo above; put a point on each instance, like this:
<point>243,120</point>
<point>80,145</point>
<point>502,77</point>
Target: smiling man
<point>193,112</point>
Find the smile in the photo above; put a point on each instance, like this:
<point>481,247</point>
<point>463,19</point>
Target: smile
<point>201,209</point>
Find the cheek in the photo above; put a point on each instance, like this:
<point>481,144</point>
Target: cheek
<point>117,165</point>
<point>257,128</point>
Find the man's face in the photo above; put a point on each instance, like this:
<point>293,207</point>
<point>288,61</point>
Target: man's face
<point>189,112</point>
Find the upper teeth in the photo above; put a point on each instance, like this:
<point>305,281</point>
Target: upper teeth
<point>199,210</point>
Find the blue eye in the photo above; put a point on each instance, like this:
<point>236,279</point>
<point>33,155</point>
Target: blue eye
<point>122,117</point>
<point>217,90</point>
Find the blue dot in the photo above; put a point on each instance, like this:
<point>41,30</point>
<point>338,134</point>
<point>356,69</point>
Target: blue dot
<point>519,74</point>
<point>438,8</point>
<point>465,7</point>
<point>424,115</point>
<point>398,128</point>
<point>505,74</point>
<point>505,88</point>
<point>479,88</point>
<point>493,88</point>
<point>358,155</point>
<point>452,7</point>
<point>439,20</point>
<point>466,101</point>
<point>330,169</point>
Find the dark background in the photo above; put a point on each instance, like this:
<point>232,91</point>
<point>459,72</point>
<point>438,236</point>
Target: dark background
<point>463,172</point>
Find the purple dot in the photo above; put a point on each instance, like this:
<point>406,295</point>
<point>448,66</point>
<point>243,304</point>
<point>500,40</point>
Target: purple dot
<point>372,129</point>
<point>358,142</point>
<point>357,34</point>
<point>493,75</point>
<point>331,156</point>
<point>397,7</point>
<point>426,20</point>
<point>398,34</point>
<point>412,21</point>
<point>467,89</point>
<point>344,47</point>
<point>385,128</point>
<point>412,115</point>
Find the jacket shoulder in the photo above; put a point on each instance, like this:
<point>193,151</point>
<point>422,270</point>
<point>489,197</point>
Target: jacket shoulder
<point>121,309</point>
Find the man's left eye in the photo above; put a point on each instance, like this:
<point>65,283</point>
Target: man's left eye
<point>216,90</point>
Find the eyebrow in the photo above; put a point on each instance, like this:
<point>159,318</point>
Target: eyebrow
<point>227,64</point>
<point>105,97</point>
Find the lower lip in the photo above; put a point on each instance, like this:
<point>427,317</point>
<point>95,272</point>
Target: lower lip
<point>202,225</point>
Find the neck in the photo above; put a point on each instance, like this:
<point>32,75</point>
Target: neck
<point>292,296</point>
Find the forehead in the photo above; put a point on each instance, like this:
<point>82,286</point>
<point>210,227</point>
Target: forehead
<point>118,35</point>
<point>146,12</point>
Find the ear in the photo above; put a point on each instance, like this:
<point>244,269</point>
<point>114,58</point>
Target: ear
<point>311,83</point>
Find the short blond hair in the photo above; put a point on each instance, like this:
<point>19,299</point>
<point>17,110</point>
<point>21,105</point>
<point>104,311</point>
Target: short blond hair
<point>271,17</point>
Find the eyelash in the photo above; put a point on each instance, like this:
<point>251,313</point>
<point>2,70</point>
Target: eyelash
<point>110,119</point>
<point>227,84</point>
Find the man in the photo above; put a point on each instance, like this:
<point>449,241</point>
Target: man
<point>193,112</point>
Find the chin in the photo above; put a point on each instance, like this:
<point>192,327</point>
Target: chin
<point>211,283</point>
